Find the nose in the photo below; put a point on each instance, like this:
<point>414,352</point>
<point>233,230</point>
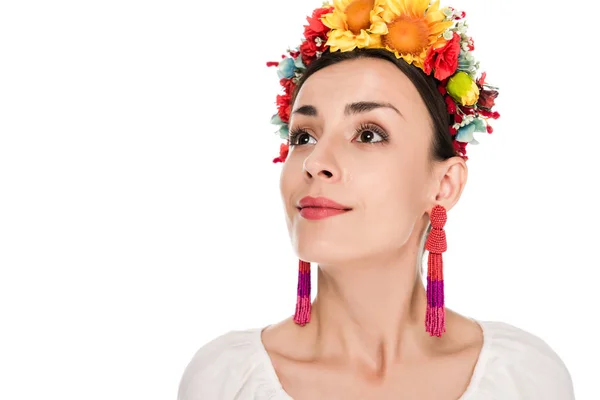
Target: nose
<point>321,163</point>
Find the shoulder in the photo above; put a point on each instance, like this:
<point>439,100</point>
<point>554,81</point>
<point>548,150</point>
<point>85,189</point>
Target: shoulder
<point>518,363</point>
<point>230,365</point>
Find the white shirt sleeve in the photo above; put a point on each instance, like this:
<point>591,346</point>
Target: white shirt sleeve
<point>230,366</point>
<point>208,375</point>
<point>520,365</point>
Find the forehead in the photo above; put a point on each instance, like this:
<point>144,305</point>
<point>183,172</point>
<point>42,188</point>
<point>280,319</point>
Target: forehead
<point>365,79</point>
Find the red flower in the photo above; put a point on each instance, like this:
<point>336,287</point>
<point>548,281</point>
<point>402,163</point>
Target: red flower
<point>315,29</point>
<point>481,80</point>
<point>450,105</point>
<point>444,61</point>
<point>284,107</point>
<point>487,98</point>
<point>461,149</point>
<point>283,153</point>
<point>468,110</point>
<point>309,49</point>
<point>485,113</point>
<point>288,85</point>
<point>315,26</point>
<point>283,100</point>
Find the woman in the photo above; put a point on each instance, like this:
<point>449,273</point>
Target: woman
<point>380,103</point>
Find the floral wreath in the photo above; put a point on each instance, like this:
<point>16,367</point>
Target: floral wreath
<point>431,38</point>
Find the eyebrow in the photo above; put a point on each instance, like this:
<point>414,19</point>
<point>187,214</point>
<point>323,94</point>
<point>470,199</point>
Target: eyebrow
<point>350,109</point>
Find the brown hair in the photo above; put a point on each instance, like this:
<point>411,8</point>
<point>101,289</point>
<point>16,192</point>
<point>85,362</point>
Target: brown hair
<point>441,146</point>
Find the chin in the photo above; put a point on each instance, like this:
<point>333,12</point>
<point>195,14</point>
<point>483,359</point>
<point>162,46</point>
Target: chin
<point>325,253</point>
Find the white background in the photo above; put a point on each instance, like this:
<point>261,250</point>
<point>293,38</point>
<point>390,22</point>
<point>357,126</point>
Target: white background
<point>140,213</point>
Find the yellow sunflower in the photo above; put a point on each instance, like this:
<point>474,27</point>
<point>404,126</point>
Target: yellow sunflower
<point>413,27</point>
<point>355,23</point>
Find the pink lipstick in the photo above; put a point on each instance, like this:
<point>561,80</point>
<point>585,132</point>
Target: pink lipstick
<point>320,207</point>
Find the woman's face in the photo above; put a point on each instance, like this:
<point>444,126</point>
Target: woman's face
<point>362,138</point>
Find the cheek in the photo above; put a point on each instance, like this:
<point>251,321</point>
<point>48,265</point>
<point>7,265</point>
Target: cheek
<point>392,201</point>
<point>290,183</point>
<point>285,183</point>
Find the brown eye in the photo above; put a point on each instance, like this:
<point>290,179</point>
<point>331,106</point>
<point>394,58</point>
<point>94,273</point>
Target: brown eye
<point>367,136</point>
<point>367,133</point>
<point>299,137</point>
<point>304,138</point>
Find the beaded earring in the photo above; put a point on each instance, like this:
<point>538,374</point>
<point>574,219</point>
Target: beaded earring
<point>302,315</point>
<point>435,318</point>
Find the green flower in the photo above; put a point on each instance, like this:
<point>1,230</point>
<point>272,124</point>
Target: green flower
<point>463,89</point>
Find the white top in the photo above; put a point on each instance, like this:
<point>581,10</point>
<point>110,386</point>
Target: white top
<point>513,364</point>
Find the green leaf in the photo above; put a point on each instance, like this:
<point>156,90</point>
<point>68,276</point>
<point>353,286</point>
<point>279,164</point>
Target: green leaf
<point>284,132</point>
<point>276,119</point>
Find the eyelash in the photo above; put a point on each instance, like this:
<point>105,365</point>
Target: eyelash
<point>294,133</point>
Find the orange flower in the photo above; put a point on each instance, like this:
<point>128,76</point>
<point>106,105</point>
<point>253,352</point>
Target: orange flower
<point>414,26</point>
<point>355,23</point>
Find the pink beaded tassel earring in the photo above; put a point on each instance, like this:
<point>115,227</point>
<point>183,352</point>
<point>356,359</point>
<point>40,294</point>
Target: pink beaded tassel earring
<point>435,319</point>
<point>302,315</point>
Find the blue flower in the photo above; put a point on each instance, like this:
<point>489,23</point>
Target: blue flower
<point>286,68</point>
<point>465,133</point>
<point>299,64</point>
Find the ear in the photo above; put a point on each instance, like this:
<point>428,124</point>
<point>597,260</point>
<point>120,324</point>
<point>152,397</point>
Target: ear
<point>450,177</point>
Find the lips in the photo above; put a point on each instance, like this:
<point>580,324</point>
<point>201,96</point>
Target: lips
<point>320,212</point>
<point>321,202</point>
<point>320,207</point>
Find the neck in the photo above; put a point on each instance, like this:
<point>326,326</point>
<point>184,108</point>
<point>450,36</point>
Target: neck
<point>371,312</point>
